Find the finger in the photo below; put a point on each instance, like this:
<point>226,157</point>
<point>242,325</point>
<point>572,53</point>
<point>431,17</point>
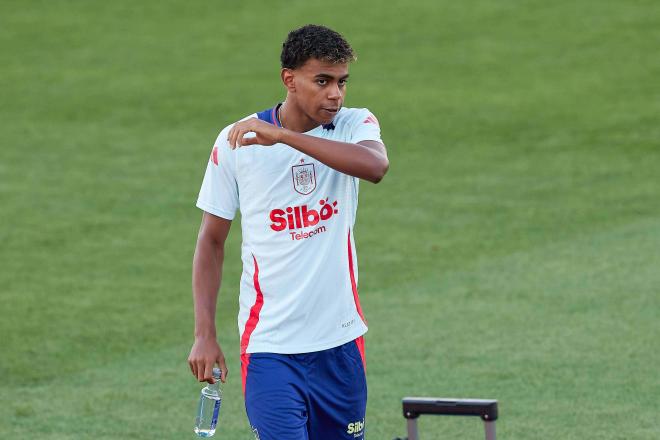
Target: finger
<point>200,371</point>
<point>249,137</point>
<point>223,369</point>
<point>238,134</point>
<point>241,137</point>
<point>193,367</point>
<point>231,134</point>
<point>234,138</point>
<point>229,138</point>
<point>244,128</point>
<point>208,373</point>
<point>249,141</point>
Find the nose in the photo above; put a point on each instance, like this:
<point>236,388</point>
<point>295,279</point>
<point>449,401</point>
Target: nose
<point>334,93</point>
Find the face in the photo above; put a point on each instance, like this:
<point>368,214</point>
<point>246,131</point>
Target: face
<point>318,88</point>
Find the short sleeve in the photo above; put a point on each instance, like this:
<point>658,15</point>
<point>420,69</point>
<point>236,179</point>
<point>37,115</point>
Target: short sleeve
<point>219,192</point>
<point>365,127</point>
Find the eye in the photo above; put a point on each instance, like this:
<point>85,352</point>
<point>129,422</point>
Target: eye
<point>322,81</point>
<point>342,82</point>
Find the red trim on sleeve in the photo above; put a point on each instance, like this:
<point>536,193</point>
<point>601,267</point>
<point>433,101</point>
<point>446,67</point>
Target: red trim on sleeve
<point>371,119</point>
<point>214,155</point>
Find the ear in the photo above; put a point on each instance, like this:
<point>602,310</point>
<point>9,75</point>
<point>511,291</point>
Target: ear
<point>288,79</point>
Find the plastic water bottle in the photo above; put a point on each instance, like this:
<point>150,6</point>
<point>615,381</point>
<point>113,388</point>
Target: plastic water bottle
<point>209,407</point>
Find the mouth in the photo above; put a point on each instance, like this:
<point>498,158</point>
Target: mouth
<point>329,114</point>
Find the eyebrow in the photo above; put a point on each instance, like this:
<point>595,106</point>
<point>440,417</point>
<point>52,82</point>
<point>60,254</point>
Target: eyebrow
<point>328,76</point>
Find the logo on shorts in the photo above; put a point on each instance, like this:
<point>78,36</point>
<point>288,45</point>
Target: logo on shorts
<point>355,428</point>
<point>255,432</point>
<point>304,177</point>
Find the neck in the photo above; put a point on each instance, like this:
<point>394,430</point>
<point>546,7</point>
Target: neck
<point>294,119</point>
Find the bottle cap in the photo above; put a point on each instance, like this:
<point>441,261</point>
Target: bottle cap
<point>216,373</point>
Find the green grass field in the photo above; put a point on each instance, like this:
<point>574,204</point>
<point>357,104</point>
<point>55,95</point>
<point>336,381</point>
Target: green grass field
<point>512,252</point>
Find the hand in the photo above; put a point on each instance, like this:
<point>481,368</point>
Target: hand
<point>266,134</point>
<point>204,354</point>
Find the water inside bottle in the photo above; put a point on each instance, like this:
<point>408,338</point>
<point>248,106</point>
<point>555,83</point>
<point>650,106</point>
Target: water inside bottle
<point>207,412</point>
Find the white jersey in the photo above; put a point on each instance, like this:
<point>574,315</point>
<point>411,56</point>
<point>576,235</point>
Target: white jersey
<point>298,289</point>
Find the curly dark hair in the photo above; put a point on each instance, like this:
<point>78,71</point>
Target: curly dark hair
<point>314,41</point>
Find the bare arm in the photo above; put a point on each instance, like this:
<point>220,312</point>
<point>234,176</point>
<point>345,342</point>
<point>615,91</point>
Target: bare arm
<point>366,160</point>
<point>206,279</point>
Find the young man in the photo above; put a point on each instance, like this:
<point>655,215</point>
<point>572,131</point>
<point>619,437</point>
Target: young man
<point>293,171</point>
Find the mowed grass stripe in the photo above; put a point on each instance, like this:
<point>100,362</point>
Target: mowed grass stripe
<point>520,208</point>
<point>558,331</point>
<point>495,347</point>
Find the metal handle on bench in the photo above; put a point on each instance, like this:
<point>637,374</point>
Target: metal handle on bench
<point>413,407</point>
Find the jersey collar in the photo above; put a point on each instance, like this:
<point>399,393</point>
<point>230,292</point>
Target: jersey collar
<point>270,116</point>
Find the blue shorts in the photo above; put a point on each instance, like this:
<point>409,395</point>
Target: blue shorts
<point>319,396</point>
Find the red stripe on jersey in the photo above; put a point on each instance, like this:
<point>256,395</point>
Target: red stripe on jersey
<point>245,361</point>
<point>253,320</point>
<point>353,284</point>
<point>360,345</point>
